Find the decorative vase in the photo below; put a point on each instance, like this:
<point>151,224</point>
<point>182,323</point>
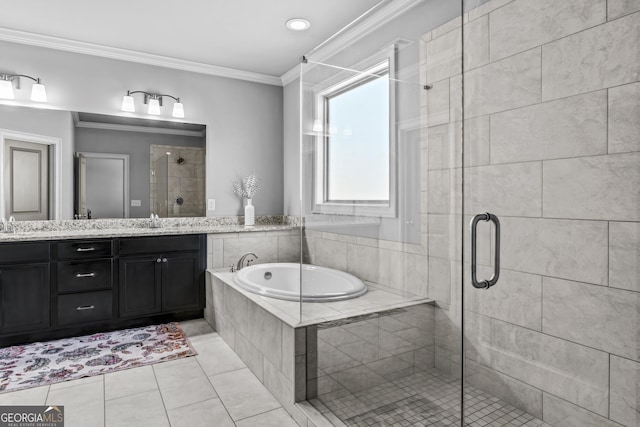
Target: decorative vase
<point>249,214</point>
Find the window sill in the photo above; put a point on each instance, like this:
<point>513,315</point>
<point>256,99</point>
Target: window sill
<point>386,211</point>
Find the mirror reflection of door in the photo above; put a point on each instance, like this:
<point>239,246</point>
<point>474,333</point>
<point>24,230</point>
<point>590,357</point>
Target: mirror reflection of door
<point>103,186</point>
<point>26,180</point>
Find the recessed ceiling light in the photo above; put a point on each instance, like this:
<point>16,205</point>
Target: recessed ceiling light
<point>298,24</point>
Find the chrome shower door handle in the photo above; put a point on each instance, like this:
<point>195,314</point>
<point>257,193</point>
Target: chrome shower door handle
<point>485,284</point>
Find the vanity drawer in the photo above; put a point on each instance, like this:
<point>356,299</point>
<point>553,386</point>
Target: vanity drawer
<point>85,249</point>
<point>84,307</point>
<point>11,253</point>
<point>145,245</point>
<point>85,275</point>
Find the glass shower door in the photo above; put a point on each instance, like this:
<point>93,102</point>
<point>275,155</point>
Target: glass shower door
<point>160,185</point>
<point>381,199</point>
<point>552,297</point>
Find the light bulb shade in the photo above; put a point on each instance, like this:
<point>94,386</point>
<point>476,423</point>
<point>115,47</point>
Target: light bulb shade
<point>154,107</point>
<point>178,110</point>
<point>127,104</point>
<point>38,93</point>
<point>6,89</point>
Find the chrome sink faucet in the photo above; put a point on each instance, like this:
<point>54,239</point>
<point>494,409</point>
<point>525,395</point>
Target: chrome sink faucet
<point>8,226</point>
<point>154,221</point>
<point>240,265</point>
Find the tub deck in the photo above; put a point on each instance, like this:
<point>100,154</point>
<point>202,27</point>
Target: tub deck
<point>297,314</point>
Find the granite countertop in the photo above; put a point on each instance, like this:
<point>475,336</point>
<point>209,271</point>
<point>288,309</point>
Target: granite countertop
<point>86,229</point>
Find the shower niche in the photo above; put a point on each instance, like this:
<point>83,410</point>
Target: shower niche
<point>177,181</point>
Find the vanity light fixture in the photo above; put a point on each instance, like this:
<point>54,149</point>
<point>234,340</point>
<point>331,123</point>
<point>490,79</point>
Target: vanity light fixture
<point>298,24</point>
<point>154,106</point>
<point>8,81</point>
<point>154,102</point>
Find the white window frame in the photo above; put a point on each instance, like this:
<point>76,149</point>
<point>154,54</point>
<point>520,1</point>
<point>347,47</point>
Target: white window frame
<point>372,66</point>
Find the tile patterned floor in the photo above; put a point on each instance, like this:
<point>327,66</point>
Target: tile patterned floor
<point>214,388</point>
<point>426,398</point>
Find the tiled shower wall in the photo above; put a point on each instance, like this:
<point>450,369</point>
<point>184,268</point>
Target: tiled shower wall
<point>552,146</point>
<point>552,134</point>
<point>186,180</point>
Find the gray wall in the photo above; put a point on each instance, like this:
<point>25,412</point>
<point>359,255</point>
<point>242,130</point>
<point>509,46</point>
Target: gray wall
<point>58,124</point>
<point>244,119</point>
<point>136,145</point>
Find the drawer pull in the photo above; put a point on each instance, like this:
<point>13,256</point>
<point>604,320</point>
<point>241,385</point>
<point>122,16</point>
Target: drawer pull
<point>81,275</point>
<point>85,307</point>
<point>85,249</point>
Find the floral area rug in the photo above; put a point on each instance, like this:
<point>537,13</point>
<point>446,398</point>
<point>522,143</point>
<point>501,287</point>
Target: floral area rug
<point>32,365</point>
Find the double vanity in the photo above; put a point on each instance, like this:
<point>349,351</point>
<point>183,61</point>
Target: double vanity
<point>77,277</point>
<point>56,288</point>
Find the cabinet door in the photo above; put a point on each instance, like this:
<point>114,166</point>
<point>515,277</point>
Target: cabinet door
<point>24,297</point>
<point>139,285</point>
<point>182,282</point>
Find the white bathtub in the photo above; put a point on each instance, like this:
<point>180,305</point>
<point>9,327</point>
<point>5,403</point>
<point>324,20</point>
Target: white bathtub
<point>282,281</point>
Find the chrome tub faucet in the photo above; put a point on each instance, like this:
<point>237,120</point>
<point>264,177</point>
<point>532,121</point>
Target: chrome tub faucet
<point>241,262</point>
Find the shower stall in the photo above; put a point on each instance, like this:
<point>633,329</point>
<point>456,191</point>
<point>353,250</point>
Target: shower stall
<point>177,181</point>
<point>478,163</point>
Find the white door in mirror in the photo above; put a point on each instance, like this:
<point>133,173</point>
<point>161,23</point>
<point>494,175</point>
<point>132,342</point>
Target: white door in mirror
<point>26,180</point>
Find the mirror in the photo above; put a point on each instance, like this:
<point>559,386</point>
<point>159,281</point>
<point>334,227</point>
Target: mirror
<point>103,166</point>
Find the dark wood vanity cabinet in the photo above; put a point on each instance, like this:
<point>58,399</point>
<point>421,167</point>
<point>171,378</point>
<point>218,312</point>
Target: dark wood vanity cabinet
<point>50,290</point>
<point>24,287</point>
<point>139,285</point>
<point>181,278</point>
<point>161,275</point>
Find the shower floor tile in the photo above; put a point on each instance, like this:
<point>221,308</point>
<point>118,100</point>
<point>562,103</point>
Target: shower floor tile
<point>426,398</point>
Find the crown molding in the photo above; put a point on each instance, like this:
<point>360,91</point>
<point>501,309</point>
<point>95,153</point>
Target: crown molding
<point>49,42</point>
<point>364,27</point>
<point>141,129</point>
<point>290,75</point>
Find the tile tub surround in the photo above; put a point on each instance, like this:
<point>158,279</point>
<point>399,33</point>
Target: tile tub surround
<point>551,96</point>
<point>294,314</point>
<point>275,343</point>
<point>271,244</point>
<point>359,353</point>
<point>401,267</point>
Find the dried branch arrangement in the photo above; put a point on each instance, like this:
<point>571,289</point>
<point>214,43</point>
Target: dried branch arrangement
<point>248,187</point>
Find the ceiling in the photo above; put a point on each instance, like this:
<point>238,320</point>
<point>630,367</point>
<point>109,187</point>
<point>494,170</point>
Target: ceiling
<point>248,35</point>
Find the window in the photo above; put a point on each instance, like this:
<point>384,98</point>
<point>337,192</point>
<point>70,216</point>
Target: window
<point>354,172</point>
